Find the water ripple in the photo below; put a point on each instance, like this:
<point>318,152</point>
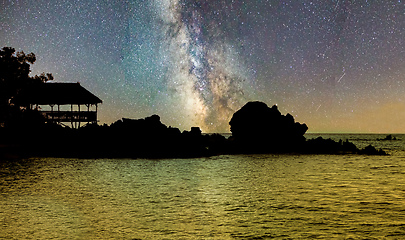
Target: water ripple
<point>224,197</point>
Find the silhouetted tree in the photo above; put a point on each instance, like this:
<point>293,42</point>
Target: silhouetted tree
<point>14,76</point>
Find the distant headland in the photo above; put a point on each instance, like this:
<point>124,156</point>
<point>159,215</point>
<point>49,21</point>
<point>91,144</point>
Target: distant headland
<point>256,128</point>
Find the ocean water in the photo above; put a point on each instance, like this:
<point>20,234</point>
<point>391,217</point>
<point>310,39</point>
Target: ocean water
<point>220,197</point>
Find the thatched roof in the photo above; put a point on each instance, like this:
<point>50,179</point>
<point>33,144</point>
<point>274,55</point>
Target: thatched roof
<point>57,94</point>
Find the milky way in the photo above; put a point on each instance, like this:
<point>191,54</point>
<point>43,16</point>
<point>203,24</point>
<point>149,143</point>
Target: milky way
<point>337,65</point>
<point>204,67</point>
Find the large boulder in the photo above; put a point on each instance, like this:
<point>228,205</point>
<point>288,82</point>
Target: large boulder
<point>256,127</point>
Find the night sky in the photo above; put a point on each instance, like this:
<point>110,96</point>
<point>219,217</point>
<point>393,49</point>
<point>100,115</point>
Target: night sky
<point>336,65</point>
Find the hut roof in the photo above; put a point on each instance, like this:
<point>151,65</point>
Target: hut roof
<point>58,94</point>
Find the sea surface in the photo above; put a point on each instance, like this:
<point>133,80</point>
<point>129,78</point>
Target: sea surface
<point>221,197</point>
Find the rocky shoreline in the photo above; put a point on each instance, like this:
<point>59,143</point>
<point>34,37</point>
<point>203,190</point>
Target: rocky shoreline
<point>255,128</point>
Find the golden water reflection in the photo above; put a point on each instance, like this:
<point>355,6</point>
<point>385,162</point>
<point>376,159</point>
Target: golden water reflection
<point>224,197</point>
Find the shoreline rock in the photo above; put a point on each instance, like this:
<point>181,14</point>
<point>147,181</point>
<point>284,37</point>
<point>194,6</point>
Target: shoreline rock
<point>256,128</point>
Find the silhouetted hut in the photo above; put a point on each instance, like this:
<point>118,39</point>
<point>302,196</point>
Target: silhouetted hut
<point>61,94</point>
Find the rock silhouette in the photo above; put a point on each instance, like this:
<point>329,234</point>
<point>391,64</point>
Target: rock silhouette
<point>258,128</point>
<point>371,150</point>
<point>388,138</point>
<point>150,138</point>
<point>328,146</point>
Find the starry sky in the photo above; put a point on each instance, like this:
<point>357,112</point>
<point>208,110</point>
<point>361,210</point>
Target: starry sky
<point>336,65</point>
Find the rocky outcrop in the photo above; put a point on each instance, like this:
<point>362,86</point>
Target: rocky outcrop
<point>255,128</point>
<point>258,128</point>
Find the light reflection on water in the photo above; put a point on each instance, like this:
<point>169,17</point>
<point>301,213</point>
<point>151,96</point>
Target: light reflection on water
<point>223,197</point>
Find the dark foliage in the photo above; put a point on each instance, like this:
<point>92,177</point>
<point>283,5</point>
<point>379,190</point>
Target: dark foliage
<point>14,76</point>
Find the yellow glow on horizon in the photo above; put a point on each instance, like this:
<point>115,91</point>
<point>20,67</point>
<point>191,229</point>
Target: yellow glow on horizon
<point>375,118</point>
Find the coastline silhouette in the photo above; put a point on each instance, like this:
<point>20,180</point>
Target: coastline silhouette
<point>25,131</point>
<point>255,128</point>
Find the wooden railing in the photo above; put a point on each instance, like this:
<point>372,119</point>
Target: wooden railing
<point>70,116</point>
